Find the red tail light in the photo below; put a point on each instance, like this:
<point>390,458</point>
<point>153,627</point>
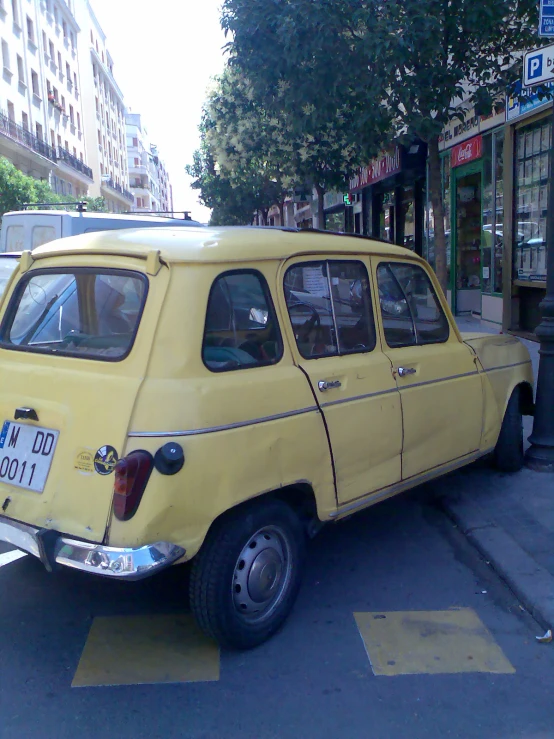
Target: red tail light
<point>131,476</point>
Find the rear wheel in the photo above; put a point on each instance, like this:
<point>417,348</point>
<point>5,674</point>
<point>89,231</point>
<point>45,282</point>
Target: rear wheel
<point>245,579</point>
<point>508,453</point>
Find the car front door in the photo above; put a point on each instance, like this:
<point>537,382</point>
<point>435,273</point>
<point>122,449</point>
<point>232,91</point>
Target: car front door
<point>336,346</point>
<point>436,374</point>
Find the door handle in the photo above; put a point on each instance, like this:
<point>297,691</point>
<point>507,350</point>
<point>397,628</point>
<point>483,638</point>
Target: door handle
<point>328,385</point>
<point>403,371</point>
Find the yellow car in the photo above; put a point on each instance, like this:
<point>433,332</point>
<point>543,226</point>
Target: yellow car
<point>217,395</point>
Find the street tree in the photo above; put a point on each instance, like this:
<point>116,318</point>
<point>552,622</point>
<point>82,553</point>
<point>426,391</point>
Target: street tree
<point>440,59</point>
<point>17,188</point>
<point>402,65</point>
<point>300,59</point>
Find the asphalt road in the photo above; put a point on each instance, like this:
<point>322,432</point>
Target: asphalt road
<point>425,600</point>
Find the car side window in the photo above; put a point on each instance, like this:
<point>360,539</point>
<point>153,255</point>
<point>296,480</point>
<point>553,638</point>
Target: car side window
<point>329,305</point>
<point>411,312</point>
<point>241,328</point>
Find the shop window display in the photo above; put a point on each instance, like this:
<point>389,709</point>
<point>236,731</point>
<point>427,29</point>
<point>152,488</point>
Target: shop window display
<point>531,198</point>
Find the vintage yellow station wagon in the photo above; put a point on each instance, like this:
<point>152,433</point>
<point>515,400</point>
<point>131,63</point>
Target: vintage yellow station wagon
<point>219,394</point>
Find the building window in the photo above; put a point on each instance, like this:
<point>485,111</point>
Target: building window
<point>25,121</point>
<point>38,129</point>
<point>75,152</point>
<point>30,30</point>
<point>135,142</point>
<point>64,26</point>
<point>532,147</point>
<point>34,83</point>
<point>44,43</point>
<point>78,121</point>
<point>91,38</point>
<point>493,212</point>
<point>60,64</point>
<point>71,115</point>
<point>59,141</point>
<point>63,104</point>
<point>5,56</point>
<point>66,145</point>
<point>53,138</point>
<point>11,111</point>
<point>15,12</point>
<point>51,51</point>
<point>75,81</point>
<point>68,73</point>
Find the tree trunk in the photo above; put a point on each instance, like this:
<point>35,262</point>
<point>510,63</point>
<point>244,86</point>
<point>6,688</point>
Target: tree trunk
<point>435,192</point>
<point>282,212</point>
<point>320,214</point>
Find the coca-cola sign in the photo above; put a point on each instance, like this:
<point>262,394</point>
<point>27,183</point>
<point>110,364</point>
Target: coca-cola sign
<point>467,151</point>
<point>381,167</point>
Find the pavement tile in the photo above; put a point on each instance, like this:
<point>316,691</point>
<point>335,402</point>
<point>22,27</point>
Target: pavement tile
<point>133,650</point>
<point>430,642</point>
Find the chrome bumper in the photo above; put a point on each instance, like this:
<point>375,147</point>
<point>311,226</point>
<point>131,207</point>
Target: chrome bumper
<point>52,548</point>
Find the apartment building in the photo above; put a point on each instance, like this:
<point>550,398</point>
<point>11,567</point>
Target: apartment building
<point>148,176</point>
<point>104,114</point>
<point>41,114</point>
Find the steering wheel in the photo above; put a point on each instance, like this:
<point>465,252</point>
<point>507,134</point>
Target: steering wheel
<point>313,322</point>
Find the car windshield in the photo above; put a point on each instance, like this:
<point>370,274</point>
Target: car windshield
<point>7,268</point>
<point>79,313</point>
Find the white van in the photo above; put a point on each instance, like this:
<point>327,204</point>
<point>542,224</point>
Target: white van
<point>27,229</point>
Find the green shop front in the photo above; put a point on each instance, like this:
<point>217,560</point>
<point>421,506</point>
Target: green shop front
<point>472,179</point>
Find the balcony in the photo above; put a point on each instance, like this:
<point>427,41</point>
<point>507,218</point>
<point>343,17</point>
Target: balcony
<point>26,138</point>
<point>72,161</point>
<point>114,186</point>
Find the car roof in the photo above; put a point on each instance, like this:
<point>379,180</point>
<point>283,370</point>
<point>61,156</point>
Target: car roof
<point>221,244</point>
<point>95,216</point>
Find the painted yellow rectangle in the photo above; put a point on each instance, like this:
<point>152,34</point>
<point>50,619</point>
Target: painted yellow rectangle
<point>133,650</point>
<point>432,642</point>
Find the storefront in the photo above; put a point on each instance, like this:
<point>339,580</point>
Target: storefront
<point>337,212</point>
<point>527,139</point>
<point>473,197</point>
<point>387,197</point>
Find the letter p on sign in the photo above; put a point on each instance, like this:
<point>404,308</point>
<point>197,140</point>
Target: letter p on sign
<point>534,66</point>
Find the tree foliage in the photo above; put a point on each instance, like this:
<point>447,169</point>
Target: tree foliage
<point>17,188</point>
<point>347,72</point>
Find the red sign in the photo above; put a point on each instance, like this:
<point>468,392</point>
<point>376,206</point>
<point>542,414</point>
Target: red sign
<point>467,151</point>
<point>380,168</point>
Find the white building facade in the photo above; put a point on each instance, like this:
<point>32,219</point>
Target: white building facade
<point>148,177</point>
<point>104,114</point>
<point>41,114</point>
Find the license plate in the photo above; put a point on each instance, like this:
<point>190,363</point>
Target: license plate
<point>26,454</point>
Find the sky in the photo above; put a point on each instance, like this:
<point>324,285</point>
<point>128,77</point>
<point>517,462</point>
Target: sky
<point>165,53</point>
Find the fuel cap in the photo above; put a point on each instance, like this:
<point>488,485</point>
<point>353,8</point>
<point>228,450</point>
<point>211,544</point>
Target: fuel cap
<point>169,458</point>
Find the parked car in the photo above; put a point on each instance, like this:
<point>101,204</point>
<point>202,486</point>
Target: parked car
<point>28,229</point>
<point>218,395</point>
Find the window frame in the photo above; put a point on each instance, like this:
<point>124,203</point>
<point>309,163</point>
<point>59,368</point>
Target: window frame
<point>399,285</point>
<point>337,260</point>
<point>11,311</point>
<point>272,312</point>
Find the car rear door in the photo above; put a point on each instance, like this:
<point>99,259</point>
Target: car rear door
<point>335,344</point>
<point>436,373</point>
<point>74,347</point>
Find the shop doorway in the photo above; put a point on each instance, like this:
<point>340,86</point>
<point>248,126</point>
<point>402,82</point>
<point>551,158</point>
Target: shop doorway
<point>465,275</point>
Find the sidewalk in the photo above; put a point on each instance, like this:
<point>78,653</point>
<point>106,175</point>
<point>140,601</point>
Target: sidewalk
<point>509,518</point>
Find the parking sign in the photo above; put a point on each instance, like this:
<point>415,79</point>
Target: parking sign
<point>538,65</point>
<point>546,23</point>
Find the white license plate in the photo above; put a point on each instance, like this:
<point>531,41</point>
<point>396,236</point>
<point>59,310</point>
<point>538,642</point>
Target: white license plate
<point>26,454</point>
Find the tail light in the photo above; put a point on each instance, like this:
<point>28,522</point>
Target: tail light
<point>131,476</point>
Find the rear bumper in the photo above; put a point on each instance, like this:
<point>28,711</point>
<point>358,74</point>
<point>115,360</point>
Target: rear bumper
<point>53,549</point>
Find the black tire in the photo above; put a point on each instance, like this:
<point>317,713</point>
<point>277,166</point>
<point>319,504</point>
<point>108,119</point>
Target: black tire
<point>508,452</point>
<point>252,552</point>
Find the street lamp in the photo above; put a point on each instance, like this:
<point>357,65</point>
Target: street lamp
<point>540,455</point>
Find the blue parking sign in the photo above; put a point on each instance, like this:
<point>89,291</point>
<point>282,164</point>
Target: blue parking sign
<point>546,22</point>
<point>534,66</point>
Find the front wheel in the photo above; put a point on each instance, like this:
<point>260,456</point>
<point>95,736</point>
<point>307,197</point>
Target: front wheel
<point>508,453</point>
<point>245,579</point>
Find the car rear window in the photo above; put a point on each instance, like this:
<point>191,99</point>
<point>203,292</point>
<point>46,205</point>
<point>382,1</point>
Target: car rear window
<point>80,313</point>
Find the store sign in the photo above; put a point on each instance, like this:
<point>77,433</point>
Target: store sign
<point>387,164</point>
<point>467,152</point>
<point>546,22</point>
<point>457,131</point>
<point>524,100</point>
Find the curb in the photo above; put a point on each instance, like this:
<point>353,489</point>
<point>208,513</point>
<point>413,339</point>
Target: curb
<point>532,584</point>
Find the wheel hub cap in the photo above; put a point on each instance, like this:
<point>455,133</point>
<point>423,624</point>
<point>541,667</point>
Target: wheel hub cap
<point>261,573</point>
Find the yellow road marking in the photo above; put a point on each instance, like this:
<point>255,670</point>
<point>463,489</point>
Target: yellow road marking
<point>131,650</point>
<point>432,642</point>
